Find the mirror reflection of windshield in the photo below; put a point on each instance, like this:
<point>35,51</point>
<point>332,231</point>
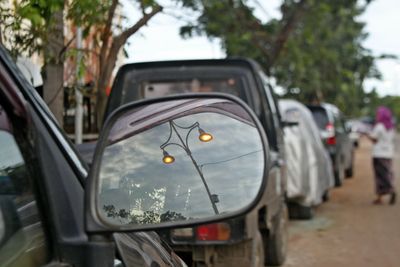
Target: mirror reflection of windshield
<point>137,186</point>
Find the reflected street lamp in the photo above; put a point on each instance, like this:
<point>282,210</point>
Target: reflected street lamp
<point>204,137</point>
<point>168,159</point>
<point>184,144</point>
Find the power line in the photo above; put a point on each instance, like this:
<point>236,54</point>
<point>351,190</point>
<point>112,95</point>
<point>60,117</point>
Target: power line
<point>223,161</point>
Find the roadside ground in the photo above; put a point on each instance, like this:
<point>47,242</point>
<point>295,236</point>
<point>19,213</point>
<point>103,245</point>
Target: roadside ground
<point>348,230</point>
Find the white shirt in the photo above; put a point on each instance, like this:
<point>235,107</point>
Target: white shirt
<point>384,147</point>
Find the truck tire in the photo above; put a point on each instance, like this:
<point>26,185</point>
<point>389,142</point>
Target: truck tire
<point>257,251</point>
<point>339,175</point>
<point>300,212</point>
<point>276,245</point>
<point>325,196</point>
<point>349,171</point>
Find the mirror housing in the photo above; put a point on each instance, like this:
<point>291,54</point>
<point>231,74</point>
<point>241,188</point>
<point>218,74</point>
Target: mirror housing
<point>144,146</point>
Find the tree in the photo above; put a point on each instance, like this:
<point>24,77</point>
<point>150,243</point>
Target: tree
<point>34,26</point>
<point>111,45</point>
<point>328,62</point>
<point>314,51</point>
<point>241,32</point>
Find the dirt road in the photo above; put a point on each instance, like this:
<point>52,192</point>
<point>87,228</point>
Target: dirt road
<point>349,230</point>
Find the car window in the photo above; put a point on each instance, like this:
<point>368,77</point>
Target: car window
<point>149,82</point>
<point>151,89</point>
<point>273,116</point>
<point>22,238</point>
<point>38,103</point>
<point>320,117</point>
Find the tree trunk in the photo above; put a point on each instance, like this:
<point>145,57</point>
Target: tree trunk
<point>285,32</point>
<point>108,59</point>
<point>53,92</point>
<point>53,69</point>
<point>105,78</point>
<point>101,101</point>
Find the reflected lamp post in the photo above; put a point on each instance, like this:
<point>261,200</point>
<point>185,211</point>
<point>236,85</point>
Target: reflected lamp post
<point>184,144</point>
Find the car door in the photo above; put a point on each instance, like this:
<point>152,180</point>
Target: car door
<point>53,169</point>
<point>23,238</point>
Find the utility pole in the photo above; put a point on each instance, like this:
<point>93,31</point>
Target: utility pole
<point>78,94</point>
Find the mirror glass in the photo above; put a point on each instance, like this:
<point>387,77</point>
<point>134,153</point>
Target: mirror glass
<point>179,160</point>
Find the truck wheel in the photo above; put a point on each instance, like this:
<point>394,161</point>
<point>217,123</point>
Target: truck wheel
<point>339,175</point>
<point>300,212</point>
<point>349,171</point>
<point>325,196</point>
<point>257,251</point>
<point>276,245</point>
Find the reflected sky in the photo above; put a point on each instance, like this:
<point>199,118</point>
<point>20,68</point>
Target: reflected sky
<point>134,178</point>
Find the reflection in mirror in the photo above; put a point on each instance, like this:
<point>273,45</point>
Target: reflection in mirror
<point>179,160</point>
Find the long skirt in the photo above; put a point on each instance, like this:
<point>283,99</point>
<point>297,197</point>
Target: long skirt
<point>383,176</point>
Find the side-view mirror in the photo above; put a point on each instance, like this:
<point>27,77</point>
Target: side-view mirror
<point>176,162</point>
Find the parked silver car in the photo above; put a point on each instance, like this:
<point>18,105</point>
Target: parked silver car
<point>335,137</point>
<point>309,166</point>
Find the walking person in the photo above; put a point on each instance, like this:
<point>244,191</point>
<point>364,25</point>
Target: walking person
<point>382,135</point>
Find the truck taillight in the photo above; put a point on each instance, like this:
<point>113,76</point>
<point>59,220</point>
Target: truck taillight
<point>331,141</point>
<point>213,232</point>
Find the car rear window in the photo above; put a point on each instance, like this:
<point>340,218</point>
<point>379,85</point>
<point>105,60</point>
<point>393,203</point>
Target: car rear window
<point>149,82</point>
<point>151,89</point>
<point>320,116</point>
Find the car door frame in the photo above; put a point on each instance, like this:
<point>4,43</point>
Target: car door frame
<point>67,236</point>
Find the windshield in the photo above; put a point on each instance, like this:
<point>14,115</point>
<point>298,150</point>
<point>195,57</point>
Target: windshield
<point>320,117</point>
<point>153,81</point>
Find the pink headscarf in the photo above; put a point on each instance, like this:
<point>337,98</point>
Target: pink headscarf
<point>384,116</point>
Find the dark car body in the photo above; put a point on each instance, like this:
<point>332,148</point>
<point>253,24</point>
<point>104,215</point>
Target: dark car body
<point>245,79</point>
<point>336,139</point>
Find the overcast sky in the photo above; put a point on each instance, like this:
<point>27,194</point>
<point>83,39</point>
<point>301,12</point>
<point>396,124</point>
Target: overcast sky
<point>383,20</point>
<point>161,41</point>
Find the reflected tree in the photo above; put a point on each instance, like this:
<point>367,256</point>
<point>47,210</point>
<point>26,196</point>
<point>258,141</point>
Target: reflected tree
<point>148,217</point>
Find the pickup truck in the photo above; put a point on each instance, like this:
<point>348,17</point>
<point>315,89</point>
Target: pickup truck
<point>259,237</point>
<point>57,212</point>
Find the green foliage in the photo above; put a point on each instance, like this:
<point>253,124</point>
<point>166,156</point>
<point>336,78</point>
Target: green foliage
<point>86,13</point>
<point>231,21</point>
<point>322,59</point>
<point>327,62</point>
<point>26,24</point>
